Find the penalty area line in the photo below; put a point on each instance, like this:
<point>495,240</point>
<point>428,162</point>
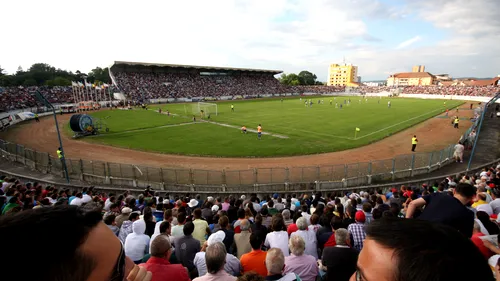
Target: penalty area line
<point>249,130</point>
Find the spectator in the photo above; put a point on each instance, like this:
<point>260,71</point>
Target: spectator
<point>340,260</point>
<point>80,231</point>
<point>125,214</point>
<point>165,229</point>
<point>357,231</point>
<point>275,264</point>
<point>258,228</point>
<point>215,259</point>
<point>287,217</point>
<point>446,209</point>
<point>278,238</point>
<point>110,222</point>
<point>177,230</point>
<point>200,226</point>
<point>309,237</point>
<point>495,204</point>
<point>241,239</point>
<point>137,243</point>
<point>367,209</point>
<point>158,264</point>
<point>476,239</point>
<point>77,201</point>
<point>299,262</point>
<point>186,248</point>
<point>229,239</point>
<point>402,254</point>
<point>255,260</point>
<point>251,276</point>
<point>126,228</point>
<point>232,264</point>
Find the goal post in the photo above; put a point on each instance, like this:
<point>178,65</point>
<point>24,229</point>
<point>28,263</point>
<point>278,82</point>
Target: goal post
<point>208,108</point>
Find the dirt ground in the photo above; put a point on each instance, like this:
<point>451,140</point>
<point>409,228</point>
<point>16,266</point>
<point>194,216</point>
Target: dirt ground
<point>433,134</point>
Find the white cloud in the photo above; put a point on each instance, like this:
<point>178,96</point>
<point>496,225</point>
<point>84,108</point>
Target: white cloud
<point>291,35</point>
<point>409,42</point>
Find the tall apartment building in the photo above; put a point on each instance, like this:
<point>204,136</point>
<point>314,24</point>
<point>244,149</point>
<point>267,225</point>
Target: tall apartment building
<point>342,75</point>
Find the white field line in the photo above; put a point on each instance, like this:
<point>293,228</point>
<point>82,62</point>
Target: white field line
<point>249,130</point>
<point>393,125</point>
<point>145,129</point>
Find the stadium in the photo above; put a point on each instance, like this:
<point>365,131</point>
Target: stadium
<point>165,146</point>
<point>179,127</point>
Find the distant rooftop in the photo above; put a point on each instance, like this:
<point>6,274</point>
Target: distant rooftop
<point>194,67</point>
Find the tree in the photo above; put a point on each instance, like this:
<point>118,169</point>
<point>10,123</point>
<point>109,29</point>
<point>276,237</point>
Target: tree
<point>1,71</point>
<point>291,79</point>
<point>99,75</point>
<point>307,78</point>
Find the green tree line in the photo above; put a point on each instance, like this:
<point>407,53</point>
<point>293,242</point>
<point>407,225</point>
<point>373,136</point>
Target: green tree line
<point>42,74</point>
<point>303,78</point>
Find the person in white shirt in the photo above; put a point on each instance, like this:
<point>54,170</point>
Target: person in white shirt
<point>78,200</point>
<point>162,228</point>
<point>232,265</point>
<point>305,214</point>
<point>311,243</point>
<point>278,238</point>
<point>137,243</point>
<point>178,230</point>
<point>459,152</point>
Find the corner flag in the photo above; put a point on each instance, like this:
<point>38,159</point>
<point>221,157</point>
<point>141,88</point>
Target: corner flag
<point>358,129</point>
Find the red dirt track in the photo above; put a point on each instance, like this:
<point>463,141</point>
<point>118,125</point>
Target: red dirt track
<point>433,134</point>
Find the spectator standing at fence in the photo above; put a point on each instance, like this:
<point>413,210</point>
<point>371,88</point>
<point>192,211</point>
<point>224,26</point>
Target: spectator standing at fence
<point>459,152</point>
<point>414,142</point>
<point>446,209</point>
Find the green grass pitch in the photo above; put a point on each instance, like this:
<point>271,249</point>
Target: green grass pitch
<point>317,129</point>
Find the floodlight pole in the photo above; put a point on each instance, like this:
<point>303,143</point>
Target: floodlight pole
<point>63,159</point>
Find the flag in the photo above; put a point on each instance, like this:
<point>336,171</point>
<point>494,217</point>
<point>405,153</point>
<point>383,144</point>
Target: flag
<point>74,84</point>
<point>80,84</point>
<point>358,129</point>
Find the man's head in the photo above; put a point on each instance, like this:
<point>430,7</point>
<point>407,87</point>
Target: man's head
<point>188,229</point>
<point>241,213</point>
<point>256,241</point>
<point>181,218</point>
<point>464,190</point>
<point>297,245</point>
<point>301,223</point>
<point>342,237</point>
<point>81,232</point>
<point>161,248</point>
<point>215,257</point>
<point>244,225</point>
<point>165,227</point>
<point>133,216</point>
<point>223,222</point>
<point>197,213</point>
<point>402,254</point>
<point>275,261</point>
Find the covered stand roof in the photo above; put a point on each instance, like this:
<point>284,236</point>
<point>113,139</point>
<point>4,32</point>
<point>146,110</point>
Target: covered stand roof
<point>124,64</point>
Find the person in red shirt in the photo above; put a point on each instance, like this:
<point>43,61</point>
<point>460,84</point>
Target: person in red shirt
<point>158,264</point>
<point>255,260</point>
<point>476,234</point>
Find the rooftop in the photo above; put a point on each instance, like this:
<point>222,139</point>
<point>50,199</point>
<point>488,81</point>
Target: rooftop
<point>197,67</point>
<point>412,75</point>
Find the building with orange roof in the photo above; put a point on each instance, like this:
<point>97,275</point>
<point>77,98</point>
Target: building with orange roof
<point>411,79</point>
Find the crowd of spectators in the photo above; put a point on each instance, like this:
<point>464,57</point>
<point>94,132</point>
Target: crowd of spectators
<point>477,91</point>
<point>142,87</point>
<point>441,231</point>
<point>22,97</point>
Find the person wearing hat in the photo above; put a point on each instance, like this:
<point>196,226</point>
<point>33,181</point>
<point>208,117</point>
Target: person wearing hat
<point>232,265</point>
<point>123,216</point>
<point>357,230</point>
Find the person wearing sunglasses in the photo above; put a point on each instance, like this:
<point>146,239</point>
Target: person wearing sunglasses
<point>416,250</point>
<point>65,243</point>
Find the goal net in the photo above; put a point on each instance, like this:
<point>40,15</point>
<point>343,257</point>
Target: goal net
<point>205,107</point>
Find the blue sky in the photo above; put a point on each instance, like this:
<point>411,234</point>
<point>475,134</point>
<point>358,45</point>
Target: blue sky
<point>381,37</point>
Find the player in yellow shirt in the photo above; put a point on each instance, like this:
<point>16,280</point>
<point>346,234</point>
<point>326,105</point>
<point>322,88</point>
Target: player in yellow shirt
<point>259,131</point>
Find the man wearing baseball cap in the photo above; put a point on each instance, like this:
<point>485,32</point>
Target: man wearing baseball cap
<point>357,230</point>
